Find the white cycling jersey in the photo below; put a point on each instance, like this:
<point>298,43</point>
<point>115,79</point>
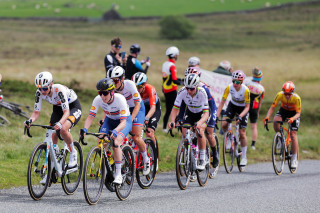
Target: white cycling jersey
<point>61,96</point>
<point>117,110</point>
<point>196,104</point>
<point>130,92</point>
<point>238,98</point>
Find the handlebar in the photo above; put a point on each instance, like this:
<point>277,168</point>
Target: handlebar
<point>42,126</point>
<point>187,127</point>
<point>278,122</point>
<point>81,138</point>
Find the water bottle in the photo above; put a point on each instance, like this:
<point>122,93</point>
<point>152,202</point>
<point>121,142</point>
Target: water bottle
<point>56,150</point>
<point>111,161</point>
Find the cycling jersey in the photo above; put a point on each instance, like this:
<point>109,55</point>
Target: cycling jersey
<point>196,104</point>
<point>134,66</point>
<point>293,104</point>
<point>130,92</point>
<point>149,95</point>
<point>212,103</point>
<point>238,98</point>
<point>256,93</point>
<point>117,110</point>
<point>169,75</point>
<point>61,96</point>
<point>111,61</point>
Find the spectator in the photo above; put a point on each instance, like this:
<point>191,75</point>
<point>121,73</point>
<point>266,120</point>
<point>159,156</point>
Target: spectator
<point>224,68</point>
<point>0,79</point>
<point>133,64</point>
<point>194,62</point>
<point>115,57</point>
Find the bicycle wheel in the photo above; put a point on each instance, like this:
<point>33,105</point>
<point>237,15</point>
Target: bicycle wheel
<point>238,156</point>
<point>146,181</point>
<point>37,170</point>
<point>127,171</point>
<point>71,178</point>
<point>3,121</point>
<point>183,165</point>
<point>278,153</point>
<point>203,176</point>
<point>228,152</point>
<point>214,173</point>
<point>94,174</point>
<point>292,170</point>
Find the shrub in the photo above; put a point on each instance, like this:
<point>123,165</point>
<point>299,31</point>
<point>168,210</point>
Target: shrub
<point>176,27</point>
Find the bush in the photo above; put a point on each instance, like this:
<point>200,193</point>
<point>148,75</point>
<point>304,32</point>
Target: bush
<point>176,27</point>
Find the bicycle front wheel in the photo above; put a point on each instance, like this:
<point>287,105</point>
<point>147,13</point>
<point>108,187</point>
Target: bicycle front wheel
<point>228,152</point>
<point>183,165</point>
<point>203,176</point>
<point>292,170</point>
<point>146,181</point>
<point>94,174</point>
<point>127,171</point>
<point>72,176</point>
<point>38,169</point>
<point>3,121</point>
<point>278,153</point>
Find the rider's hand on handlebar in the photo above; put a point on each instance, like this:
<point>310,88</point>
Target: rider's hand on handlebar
<point>290,120</point>
<point>198,126</point>
<point>265,121</point>
<point>27,123</point>
<point>238,119</point>
<point>57,126</point>
<point>83,132</point>
<point>171,125</point>
<point>100,122</point>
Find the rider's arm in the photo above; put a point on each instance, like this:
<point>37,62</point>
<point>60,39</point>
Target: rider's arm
<point>35,115</point>
<point>135,110</point>
<point>247,103</point>
<point>88,122</point>
<point>152,100</point>
<point>173,116</point>
<point>204,117</point>
<point>121,126</point>
<point>66,114</point>
<point>220,107</point>
<point>151,111</point>
<point>245,110</point>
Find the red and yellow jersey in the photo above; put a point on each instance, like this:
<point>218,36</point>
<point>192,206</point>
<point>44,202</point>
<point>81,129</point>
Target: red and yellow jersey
<point>169,74</point>
<point>149,95</point>
<point>293,104</point>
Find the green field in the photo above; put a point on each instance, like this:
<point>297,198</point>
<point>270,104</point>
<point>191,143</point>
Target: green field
<point>283,43</point>
<point>127,8</point>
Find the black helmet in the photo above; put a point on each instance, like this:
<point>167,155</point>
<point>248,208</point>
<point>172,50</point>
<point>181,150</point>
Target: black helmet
<point>105,84</point>
<point>135,48</point>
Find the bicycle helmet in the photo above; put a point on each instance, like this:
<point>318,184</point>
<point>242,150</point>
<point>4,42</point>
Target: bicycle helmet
<point>238,75</point>
<point>139,78</point>
<point>225,64</point>
<point>115,72</point>
<point>195,70</point>
<point>193,61</point>
<point>135,48</point>
<point>172,51</point>
<point>192,80</point>
<point>288,87</point>
<point>105,84</point>
<point>257,74</point>
<point>43,79</point>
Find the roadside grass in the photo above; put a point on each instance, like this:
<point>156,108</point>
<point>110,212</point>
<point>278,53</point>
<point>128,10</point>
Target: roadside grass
<point>284,44</point>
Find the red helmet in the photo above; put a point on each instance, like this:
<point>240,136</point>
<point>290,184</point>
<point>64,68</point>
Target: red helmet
<point>288,87</point>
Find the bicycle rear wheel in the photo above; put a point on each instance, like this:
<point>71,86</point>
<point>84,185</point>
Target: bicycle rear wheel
<point>214,173</point>
<point>127,171</point>
<point>183,165</point>
<point>278,153</point>
<point>94,173</point>
<point>228,152</point>
<point>71,178</point>
<point>292,170</point>
<point>37,170</point>
<point>203,176</point>
<point>146,181</point>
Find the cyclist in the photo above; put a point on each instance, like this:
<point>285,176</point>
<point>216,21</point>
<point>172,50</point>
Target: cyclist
<point>66,111</point>
<point>128,89</point>
<point>239,104</point>
<point>197,111</point>
<point>133,64</point>
<point>115,57</point>
<point>256,96</point>
<point>170,82</point>
<point>290,109</point>
<point>194,62</point>
<point>116,118</point>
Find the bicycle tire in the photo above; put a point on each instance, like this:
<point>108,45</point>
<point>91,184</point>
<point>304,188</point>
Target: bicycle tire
<point>4,121</point>
<point>241,168</point>
<point>203,176</point>
<point>94,174</point>
<point>70,181</point>
<point>183,165</point>
<point>212,175</point>
<point>37,171</point>
<point>127,171</point>
<point>228,154</point>
<point>278,153</point>
<point>146,181</point>
<point>292,170</point>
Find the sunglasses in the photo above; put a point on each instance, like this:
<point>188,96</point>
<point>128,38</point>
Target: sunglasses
<point>237,82</point>
<point>140,86</point>
<point>189,88</point>
<point>104,93</point>
<point>117,46</point>
<point>116,80</point>
<point>44,89</point>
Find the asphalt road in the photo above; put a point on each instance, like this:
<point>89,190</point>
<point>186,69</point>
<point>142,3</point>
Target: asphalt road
<point>257,189</point>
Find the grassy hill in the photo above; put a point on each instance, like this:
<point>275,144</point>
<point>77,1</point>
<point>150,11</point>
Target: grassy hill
<point>283,43</point>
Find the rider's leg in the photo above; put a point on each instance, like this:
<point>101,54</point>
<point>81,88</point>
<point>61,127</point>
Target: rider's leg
<point>243,141</point>
<point>276,126</point>
<point>254,133</point>
<point>150,134</point>
<point>294,140</point>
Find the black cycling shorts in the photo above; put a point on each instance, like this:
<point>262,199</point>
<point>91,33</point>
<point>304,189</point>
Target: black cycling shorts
<point>74,117</point>
<point>253,115</point>
<point>232,110</point>
<point>191,118</point>
<point>155,118</point>
<point>284,114</point>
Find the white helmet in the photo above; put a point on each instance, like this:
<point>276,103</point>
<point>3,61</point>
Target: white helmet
<point>193,61</point>
<point>192,80</point>
<point>225,64</point>
<point>116,72</point>
<point>43,79</point>
<point>172,51</point>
